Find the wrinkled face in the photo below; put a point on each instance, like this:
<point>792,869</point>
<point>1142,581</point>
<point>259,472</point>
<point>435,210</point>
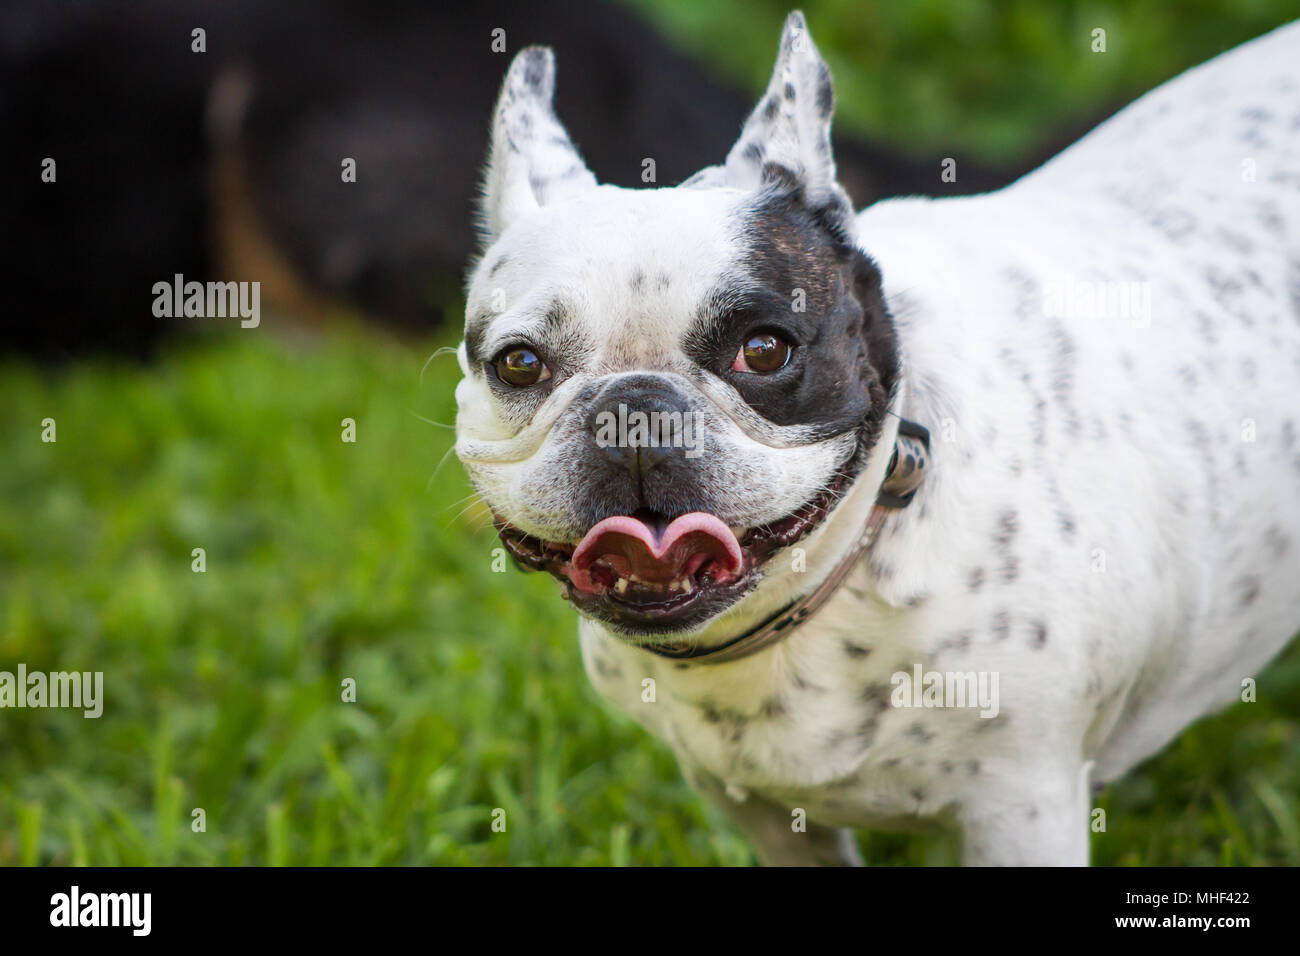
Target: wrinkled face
<point>664,388</point>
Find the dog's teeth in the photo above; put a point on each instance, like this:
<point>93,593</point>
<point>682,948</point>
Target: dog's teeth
<point>687,586</point>
<point>620,585</point>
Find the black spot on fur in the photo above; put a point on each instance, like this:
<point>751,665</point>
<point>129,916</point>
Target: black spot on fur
<point>1234,240</point>
<point>535,68</point>
<point>1278,543</point>
<point>1063,360</point>
<point>1247,590</point>
<point>1038,636</point>
<point>866,731</point>
<point>959,642</point>
<point>1040,422</point>
<point>1175,223</point>
<point>1293,286</point>
<point>877,694</point>
<point>856,651</point>
<point>1008,525</point>
<point>990,723</point>
<point>1029,300</point>
<point>825,92</point>
<point>1267,216</point>
<point>1228,291</point>
<point>976,580</point>
<point>605,669</point>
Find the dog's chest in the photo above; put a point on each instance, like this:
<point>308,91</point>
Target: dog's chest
<point>815,725</point>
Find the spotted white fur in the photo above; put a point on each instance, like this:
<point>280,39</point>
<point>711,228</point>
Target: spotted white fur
<point>1111,520</point>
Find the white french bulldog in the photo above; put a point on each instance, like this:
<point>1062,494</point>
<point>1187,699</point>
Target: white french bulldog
<point>827,616</point>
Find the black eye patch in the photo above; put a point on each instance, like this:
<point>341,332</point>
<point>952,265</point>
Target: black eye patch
<point>798,280</point>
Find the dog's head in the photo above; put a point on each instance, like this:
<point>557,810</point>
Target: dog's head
<point>666,388</point>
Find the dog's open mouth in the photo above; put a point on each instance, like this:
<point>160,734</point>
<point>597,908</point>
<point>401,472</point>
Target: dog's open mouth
<point>648,574</point>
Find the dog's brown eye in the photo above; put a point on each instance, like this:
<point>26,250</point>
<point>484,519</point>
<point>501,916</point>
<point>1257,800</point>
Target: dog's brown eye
<point>762,353</point>
<point>521,367</point>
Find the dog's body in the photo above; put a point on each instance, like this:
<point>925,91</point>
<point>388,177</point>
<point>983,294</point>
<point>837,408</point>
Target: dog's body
<point>1109,523</point>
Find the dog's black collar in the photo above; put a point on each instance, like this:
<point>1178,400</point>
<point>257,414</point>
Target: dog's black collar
<point>906,468</point>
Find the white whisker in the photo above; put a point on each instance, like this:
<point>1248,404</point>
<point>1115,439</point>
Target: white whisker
<point>430,421</point>
<point>445,350</point>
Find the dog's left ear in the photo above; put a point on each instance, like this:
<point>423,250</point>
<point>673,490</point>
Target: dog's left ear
<point>531,161</point>
<point>787,139</point>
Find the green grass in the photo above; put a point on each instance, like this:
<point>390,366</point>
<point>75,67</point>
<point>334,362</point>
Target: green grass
<point>995,78</point>
<point>325,560</point>
<point>328,561</point>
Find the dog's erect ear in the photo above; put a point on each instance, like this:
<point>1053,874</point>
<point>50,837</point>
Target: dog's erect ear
<point>532,161</point>
<point>787,139</point>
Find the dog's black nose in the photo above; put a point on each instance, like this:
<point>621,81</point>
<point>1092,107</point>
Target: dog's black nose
<point>641,422</point>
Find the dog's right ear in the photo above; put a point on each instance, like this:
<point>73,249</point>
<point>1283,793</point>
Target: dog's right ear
<point>531,161</point>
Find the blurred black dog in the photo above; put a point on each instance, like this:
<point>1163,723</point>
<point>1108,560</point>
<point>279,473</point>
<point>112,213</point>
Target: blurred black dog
<point>225,164</point>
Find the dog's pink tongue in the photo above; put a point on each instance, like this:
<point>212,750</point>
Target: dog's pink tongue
<point>630,547</point>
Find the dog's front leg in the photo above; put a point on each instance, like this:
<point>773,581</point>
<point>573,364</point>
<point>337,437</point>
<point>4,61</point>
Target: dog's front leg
<point>1044,823</point>
<point>780,836</point>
